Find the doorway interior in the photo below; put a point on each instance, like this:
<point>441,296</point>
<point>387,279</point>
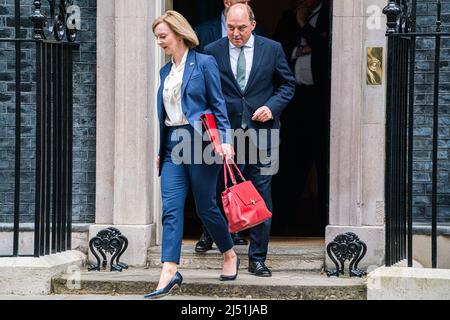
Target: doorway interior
<point>302,212</point>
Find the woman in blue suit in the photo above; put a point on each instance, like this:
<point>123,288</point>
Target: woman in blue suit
<point>190,87</point>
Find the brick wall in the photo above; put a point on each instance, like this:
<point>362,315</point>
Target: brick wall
<point>423,126</point>
<point>84,114</point>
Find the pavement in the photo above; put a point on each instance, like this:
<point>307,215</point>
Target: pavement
<point>65,297</point>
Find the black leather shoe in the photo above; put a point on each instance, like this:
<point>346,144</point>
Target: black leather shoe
<point>259,268</point>
<point>204,244</point>
<point>238,240</point>
<point>233,277</point>
<point>176,280</point>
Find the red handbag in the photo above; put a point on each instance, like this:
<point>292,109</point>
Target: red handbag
<point>209,123</point>
<point>243,205</point>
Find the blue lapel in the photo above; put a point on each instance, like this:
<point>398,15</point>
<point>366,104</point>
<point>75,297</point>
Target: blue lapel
<point>257,60</point>
<point>164,73</point>
<point>188,69</point>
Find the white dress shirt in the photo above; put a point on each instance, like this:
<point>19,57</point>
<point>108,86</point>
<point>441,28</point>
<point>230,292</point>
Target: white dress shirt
<point>249,49</point>
<point>172,94</point>
<point>303,70</point>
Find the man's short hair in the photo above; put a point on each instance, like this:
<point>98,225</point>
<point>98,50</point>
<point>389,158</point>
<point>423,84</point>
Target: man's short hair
<point>251,13</point>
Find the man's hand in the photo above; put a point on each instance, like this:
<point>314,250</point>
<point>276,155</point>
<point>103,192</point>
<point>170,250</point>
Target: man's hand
<point>263,114</point>
<point>301,51</point>
<point>157,163</point>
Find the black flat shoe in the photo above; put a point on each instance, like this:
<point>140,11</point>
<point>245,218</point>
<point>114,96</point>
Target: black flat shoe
<point>259,268</point>
<point>176,280</point>
<point>233,277</point>
<point>204,244</point>
<point>238,240</point>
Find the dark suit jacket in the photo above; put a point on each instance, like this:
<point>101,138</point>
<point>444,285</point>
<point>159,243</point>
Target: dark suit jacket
<point>317,38</point>
<point>271,82</point>
<point>211,31</point>
<point>201,93</point>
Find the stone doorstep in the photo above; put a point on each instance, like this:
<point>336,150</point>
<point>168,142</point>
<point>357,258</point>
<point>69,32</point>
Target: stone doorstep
<point>310,258</point>
<point>282,285</point>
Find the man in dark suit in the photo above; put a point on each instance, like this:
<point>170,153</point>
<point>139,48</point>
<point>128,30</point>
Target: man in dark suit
<point>214,29</point>
<point>257,85</point>
<point>208,32</point>
<point>304,34</point>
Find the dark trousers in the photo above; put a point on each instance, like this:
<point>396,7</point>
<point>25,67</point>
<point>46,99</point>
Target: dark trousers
<point>260,172</point>
<point>259,235</point>
<point>175,181</point>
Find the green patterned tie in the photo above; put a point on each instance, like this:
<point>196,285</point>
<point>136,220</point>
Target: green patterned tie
<point>240,75</point>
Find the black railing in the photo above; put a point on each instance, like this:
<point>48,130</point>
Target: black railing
<point>54,125</point>
<point>402,44</point>
<point>54,148</point>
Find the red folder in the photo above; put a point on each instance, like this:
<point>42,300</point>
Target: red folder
<point>209,123</point>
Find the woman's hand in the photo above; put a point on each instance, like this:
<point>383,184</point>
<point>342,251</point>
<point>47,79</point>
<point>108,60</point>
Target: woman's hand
<point>157,163</point>
<point>227,152</point>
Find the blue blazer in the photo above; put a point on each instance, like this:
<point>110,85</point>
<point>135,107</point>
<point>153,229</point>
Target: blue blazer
<point>201,93</point>
<point>271,82</point>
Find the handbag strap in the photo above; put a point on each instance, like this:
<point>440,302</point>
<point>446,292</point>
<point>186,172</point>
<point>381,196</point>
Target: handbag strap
<point>205,124</point>
<point>237,170</point>
<point>226,172</point>
<point>229,168</point>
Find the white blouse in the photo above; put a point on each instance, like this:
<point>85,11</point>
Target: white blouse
<point>172,95</point>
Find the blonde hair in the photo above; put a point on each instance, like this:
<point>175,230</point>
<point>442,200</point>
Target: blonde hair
<point>180,26</point>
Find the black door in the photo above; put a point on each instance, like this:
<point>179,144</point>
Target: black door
<point>306,213</point>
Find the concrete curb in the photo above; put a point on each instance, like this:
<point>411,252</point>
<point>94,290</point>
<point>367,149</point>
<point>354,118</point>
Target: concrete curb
<point>32,276</point>
<point>400,283</point>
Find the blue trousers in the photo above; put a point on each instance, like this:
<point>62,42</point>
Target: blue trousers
<point>177,174</point>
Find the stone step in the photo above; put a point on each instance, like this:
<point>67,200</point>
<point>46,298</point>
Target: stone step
<point>280,257</point>
<point>286,285</point>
